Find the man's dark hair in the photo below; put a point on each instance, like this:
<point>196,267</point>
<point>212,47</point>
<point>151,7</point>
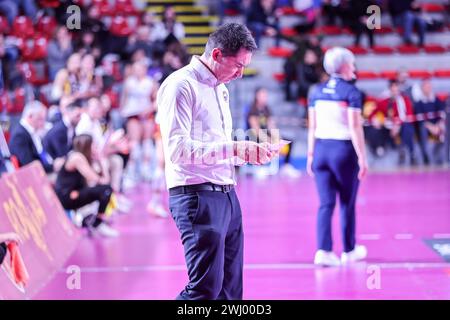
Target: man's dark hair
<point>76,104</point>
<point>393,82</point>
<point>230,38</point>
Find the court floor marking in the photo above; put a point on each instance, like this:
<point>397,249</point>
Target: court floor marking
<point>274,266</point>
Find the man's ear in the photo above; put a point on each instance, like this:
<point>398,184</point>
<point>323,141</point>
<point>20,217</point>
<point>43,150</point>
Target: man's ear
<point>216,54</point>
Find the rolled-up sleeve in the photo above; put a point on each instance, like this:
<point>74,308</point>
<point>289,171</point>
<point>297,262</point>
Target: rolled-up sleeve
<point>175,110</point>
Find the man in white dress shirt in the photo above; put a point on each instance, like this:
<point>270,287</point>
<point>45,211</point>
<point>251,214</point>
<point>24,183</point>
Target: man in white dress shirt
<point>200,156</point>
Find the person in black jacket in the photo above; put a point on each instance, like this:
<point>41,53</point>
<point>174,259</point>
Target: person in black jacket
<point>406,14</point>
<point>25,143</point>
<point>355,17</point>
<point>58,140</point>
<point>263,19</point>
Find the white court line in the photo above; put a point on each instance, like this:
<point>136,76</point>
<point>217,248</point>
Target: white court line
<point>374,236</point>
<point>273,266</point>
<point>403,236</point>
<point>441,236</point>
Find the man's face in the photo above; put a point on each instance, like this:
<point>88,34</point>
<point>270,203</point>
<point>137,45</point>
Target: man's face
<point>37,120</point>
<point>231,67</point>
<point>75,116</point>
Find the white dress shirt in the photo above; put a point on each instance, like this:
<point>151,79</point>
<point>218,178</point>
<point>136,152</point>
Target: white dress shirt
<point>196,127</point>
<point>87,125</point>
<point>34,135</point>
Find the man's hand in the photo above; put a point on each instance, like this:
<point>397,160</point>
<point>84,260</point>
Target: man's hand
<point>254,153</point>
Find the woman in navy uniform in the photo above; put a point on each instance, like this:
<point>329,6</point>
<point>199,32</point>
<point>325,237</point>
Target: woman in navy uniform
<point>336,154</point>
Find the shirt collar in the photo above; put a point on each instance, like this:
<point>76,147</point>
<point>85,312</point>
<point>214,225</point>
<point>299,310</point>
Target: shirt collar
<point>66,122</point>
<point>205,73</point>
<point>27,127</point>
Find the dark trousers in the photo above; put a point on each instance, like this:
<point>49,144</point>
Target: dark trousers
<point>100,193</point>
<point>335,167</point>
<point>210,224</point>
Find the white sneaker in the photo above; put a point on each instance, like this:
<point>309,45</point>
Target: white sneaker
<point>124,205</point>
<point>358,253</point>
<point>157,210</point>
<point>326,259</point>
<point>288,170</point>
<point>106,231</point>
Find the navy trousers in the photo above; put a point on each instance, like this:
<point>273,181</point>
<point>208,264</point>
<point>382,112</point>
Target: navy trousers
<point>335,168</point>
<point>210,224</point>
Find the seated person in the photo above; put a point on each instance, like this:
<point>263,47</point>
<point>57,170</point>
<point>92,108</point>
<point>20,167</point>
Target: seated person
<point>432,127</point>
<point>78,184</point>
<point>262,127</point>
<point>58,140</point>
<point>25,143</point>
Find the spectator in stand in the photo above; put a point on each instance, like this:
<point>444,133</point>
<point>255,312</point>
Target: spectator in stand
<point>433,126</point>
<point>137,107</point>
<point>26,143</point>
<point>59,51</point>
<point>67,82</point>
<point>169,29</point>
<point>406,14</point>
<point>10,8</point>
<point>9,54</point>
<point>262,18</point>
<point>356,17</point>
<point>302,45</point>
<point>140,40</point>
<point>398,108</point>
<point>262,128</point>
<point>58,140</point>
<point>90,83</point>
<point>308,73</point>
<point>78,184</point>
<point>88,44</point>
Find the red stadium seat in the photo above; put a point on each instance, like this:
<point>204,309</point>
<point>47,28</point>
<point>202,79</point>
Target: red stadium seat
<point>384,30</point>
<point>382,50</point>
<point>119,27</point>
<point>358,50</point>
<point>46,26</point>
<point>32,75</point>
<point>26,47</point>
<point>40,48</point>
<point>433,7</point>
<point>49,3</point>
<point>434,48</point>
<point>289,32</point>
<point>290,11</point>
<point>442,73</point>
<point>443,96</point>
<point>421,74</point>
<point>23,27</point>
<point>103,7</point>
<point>279,76</point>
<point>279,52</point>
<point>125,7</point>
<point>5,101</point>
<point>366,75</point>
<point>388,74</point>
<point>231,12</point>
<point>408,49</point>
<point>4,26</point>
<point>329,30</point>
<point>18,101</point>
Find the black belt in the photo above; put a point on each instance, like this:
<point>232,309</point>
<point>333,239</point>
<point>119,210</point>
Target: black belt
<point>200,187</point>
